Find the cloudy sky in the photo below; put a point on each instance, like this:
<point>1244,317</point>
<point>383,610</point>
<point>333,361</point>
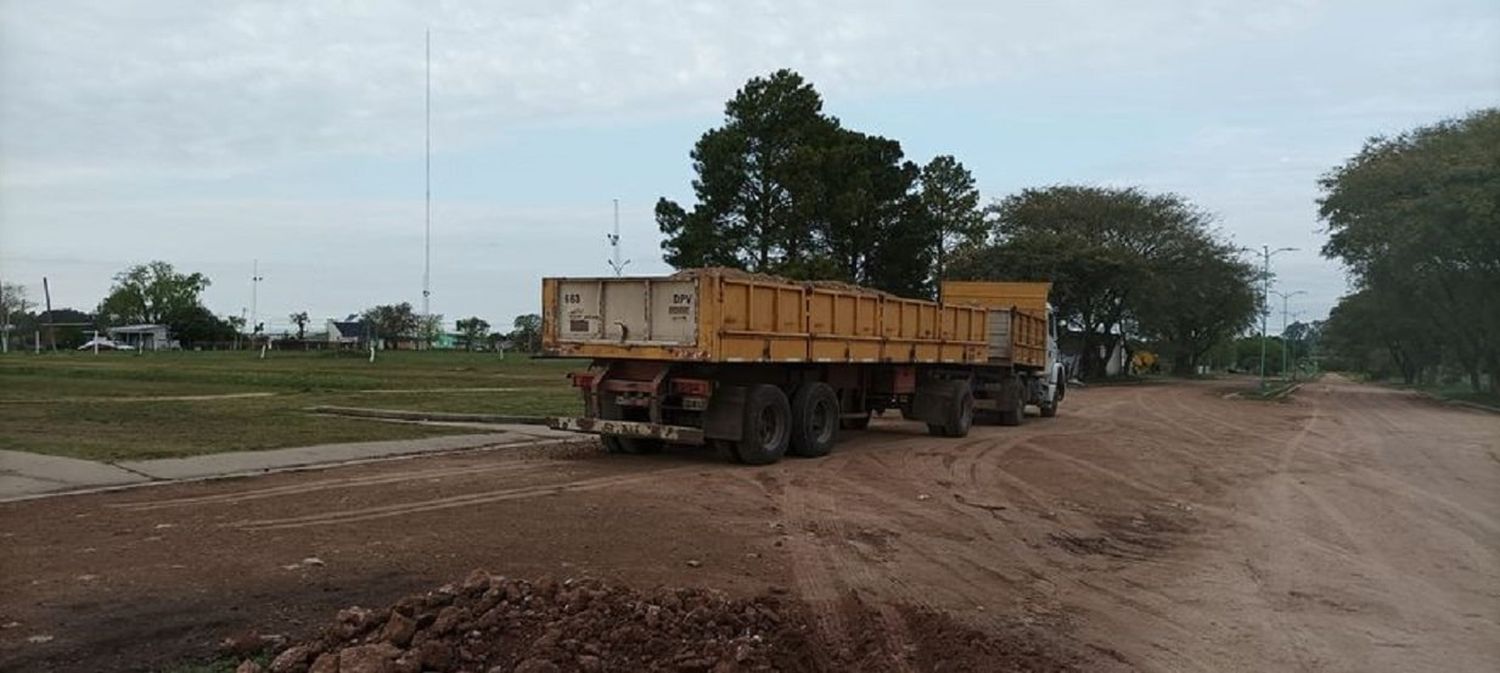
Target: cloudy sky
<point>214,134</point>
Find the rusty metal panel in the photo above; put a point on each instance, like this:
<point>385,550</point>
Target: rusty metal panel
<point>677,434</point>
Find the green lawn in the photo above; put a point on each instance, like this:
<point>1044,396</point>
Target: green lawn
<point>100,406</point>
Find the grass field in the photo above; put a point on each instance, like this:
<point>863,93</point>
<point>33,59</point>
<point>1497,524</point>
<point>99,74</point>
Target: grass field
<point>111,406</point>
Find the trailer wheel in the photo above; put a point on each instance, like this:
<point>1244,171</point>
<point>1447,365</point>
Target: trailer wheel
<point>1014,399</point>
<point>815,420</point>
<point>958,417</point>
<point>766,428</point>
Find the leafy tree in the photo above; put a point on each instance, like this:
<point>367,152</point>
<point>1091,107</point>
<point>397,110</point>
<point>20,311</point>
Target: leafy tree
<point>1199,293</point>
<point>153,293</point>
<point>429,328</point>
<point>783,188</point>
<point>300,319</point>
<point>13,305</point>
<point>1099,246</point>
<point>951,202</point>
<point>474,330</point>
<point>745,215</point>
<point>13,300</point>
<point>1416,220</point>
<point>527,335</point>
<point>197,325</point>
<point>391,322</point>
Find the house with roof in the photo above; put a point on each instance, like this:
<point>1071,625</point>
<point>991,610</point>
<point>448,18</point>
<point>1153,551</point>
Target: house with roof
<point>352,332</point>
<point>143,337</point>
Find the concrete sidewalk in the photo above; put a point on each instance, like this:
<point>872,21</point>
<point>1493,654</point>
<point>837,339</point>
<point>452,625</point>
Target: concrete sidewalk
<point>29,475</point>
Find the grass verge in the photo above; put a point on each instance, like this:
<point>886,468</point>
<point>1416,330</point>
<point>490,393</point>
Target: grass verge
<point>121,406</point>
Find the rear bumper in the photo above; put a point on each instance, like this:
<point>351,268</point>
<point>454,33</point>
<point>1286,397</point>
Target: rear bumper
<point>677,434</point>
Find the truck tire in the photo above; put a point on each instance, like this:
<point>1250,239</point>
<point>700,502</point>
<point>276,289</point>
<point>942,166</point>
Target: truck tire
<point>815,420</point>
<point>1014,401</point>
<point>767,425</point>
<point>1049,409</point>
<point>959,414</point>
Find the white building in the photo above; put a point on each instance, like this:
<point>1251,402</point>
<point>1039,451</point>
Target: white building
<point>144,337</point>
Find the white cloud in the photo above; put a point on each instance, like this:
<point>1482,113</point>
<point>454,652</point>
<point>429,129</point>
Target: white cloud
<point>150,88</point>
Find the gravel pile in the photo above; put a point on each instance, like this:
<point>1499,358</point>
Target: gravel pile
<point>492,624</point>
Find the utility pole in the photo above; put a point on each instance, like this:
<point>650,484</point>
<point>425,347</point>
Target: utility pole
<point>255,279</point>
<point>1265,309</point>
<point>51,332</point>
<point>1284,344</point>
<point>427,172</point>
<point>614,244</point>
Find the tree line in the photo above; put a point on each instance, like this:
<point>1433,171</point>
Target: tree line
<point>1415,219</point>
<point>157,293</point>
<point>782,187</point>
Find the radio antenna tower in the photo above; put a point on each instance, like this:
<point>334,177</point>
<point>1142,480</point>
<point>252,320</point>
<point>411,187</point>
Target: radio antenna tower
<point>427,238</point>
<point>614,244</point>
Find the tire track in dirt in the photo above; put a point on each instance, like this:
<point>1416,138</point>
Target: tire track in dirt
<point>318,486</point>
<point>437,504</point>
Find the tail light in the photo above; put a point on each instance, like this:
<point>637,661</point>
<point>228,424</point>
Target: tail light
<point>692,387</point>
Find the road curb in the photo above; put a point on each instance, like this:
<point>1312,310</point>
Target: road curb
<point>407,415</point>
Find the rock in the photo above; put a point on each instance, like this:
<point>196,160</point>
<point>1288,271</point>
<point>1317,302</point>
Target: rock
<point>447,620</point>
<point>325,663</point>
<point>376,658</point>
<point>352,621</point>
<point>39,639</point>
<point>293,660</point>
<point>476,582</point>
<point>694,563</point>
<point>435,655</point>
<point>924,496</point>
<point>313,561</point>
<point>535,665</point>
<point>248,666</point>
<point>399,629</point>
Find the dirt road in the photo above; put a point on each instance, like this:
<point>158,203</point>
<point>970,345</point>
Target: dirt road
<point>1154,528</point>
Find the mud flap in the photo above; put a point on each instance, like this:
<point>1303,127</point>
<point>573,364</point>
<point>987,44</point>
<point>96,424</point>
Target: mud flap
<point>930,403</point>
<point>725,415</point>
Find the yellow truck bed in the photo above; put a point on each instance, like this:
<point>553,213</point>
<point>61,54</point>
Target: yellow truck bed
<point>721,315</point>
<point>1018,317</point>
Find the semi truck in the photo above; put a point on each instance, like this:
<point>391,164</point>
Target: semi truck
<point>760,366</point>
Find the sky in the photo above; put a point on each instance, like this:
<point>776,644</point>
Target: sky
<point>213,135</point>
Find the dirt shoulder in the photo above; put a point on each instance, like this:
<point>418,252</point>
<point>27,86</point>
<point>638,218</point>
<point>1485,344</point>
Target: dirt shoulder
<point>1145,528</point>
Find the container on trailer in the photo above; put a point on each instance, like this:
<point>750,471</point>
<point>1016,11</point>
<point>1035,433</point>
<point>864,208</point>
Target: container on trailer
<point>726,316</point>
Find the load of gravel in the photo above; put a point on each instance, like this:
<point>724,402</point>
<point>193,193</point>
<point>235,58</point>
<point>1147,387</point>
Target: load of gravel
<point>493,624</point>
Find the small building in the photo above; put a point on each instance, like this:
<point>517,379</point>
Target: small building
<point>349,332</point>
<point>143,337</point>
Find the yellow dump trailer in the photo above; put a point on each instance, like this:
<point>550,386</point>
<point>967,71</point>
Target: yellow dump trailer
<point>716,315</point>
<point>763,366</point>
<point>1018,326</point>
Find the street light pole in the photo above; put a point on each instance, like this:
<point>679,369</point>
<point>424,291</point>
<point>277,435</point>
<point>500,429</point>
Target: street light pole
<point>1265,309</point>
<point>1284,297</point>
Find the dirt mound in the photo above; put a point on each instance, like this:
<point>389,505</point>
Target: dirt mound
<point>492,624</point>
